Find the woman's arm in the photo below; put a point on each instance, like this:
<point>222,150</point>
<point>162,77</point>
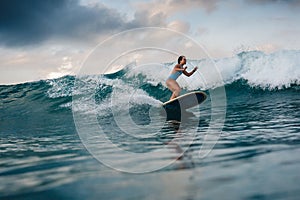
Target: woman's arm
<point>189,73</point>
<point>178,68</point>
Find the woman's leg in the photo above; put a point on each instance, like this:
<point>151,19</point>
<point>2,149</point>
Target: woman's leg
<point>174,87</point>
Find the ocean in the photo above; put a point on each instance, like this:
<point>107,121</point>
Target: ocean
<point>106,136</point>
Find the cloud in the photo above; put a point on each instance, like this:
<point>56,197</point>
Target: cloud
<point>158,12</point>
<point>31,22</point>
<point>170,7</point>
<point>178,25</point>
<point>35,21</point>
<point>287,2</point>
<point>45,61</point>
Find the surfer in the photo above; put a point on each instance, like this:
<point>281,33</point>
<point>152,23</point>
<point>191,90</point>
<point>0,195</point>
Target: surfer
<point>176,72</point>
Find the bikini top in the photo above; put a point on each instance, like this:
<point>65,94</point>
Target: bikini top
<point>175,75</point>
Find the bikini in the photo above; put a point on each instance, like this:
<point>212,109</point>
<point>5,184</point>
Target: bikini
<point>175,75</point>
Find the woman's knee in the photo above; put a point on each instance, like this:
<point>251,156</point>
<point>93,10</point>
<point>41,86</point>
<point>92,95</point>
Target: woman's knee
<point>177,91</point>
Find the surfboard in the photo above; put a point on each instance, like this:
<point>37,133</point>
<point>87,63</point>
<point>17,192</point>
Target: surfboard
<point>188,100</point>
<point>175,107</point>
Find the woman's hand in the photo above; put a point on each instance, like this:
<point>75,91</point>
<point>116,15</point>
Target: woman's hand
<point>195,69</point>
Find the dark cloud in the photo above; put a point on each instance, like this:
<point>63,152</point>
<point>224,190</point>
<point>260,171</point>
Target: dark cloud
<point>27,22</point>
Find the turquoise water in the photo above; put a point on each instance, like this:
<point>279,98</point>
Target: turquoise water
<point>45,156</point>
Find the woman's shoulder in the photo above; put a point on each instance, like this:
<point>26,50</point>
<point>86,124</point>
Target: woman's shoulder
<point>177,66</point>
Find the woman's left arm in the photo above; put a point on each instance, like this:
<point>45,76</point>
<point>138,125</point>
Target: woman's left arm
<point>190,73</point>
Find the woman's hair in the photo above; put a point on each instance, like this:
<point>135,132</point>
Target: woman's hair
<point>180,58</point>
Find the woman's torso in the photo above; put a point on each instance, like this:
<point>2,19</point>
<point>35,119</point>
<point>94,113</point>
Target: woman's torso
<point>175,74</point>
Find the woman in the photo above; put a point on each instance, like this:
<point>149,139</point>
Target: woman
<point>176,72</point>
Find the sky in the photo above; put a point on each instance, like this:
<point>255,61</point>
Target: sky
<point>51,38</point>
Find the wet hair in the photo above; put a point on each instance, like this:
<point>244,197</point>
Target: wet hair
<point>180,58</point>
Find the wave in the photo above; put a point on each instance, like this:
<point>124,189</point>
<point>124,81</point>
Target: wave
<point>133,91</point>
<point>248,71</point>
<point>275,71</point>
<point>279,70</point>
